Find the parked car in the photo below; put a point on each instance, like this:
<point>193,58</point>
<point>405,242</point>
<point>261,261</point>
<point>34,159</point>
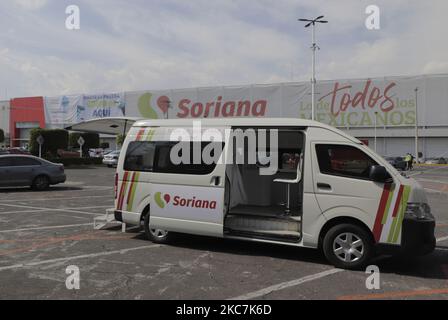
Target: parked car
<point>397,162</point>
<point>436,161</point>
<point>107,151</point>
<point>24,170</point>
<point>67,154</point>
<point>111,159</point>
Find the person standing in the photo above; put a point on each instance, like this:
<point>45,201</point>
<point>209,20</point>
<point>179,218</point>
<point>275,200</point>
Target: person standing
<point>408,160</point>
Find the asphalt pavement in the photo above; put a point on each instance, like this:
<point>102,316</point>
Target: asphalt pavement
<point>43,235</point>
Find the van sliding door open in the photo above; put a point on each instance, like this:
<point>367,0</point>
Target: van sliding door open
<point>264,184</point>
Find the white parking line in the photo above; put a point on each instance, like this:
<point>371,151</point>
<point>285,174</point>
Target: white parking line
<point>50,209</point>
<point>54,198</point>
<point>442,239</point>
<point>84,256</point>
<point>293,283</point>
<point>48,228</point>
<point>284,285</point>
<point>24,211</point>
<point>83,208</point>
<point>99,187</point>
<point>60,209</point>
<point>428,190</point>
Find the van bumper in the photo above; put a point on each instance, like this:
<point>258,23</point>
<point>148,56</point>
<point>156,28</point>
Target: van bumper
<point>417,239</point>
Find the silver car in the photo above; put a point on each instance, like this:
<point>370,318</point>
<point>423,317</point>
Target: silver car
<point>22,170</point>
<point>111,159</point>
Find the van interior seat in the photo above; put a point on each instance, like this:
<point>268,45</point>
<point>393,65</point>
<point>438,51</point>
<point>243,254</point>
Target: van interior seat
<point>260,190</point>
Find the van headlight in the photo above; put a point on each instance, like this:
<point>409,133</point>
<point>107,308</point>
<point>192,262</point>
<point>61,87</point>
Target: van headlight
<point>418,211</point>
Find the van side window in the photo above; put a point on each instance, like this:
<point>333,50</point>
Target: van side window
<point>164,162</point>
<point>346,161</point>
<point>145,156</point>
<point>140,156</point>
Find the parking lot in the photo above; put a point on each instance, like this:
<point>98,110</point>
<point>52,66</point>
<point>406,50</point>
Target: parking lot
<point>42,233</point>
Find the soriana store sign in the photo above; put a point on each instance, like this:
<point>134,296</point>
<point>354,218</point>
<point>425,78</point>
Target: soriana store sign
<point>204,103</point>
<point>338,103</point>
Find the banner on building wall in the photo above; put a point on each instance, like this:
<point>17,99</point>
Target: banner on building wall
<point>351,103</point>
<point>250,101</point>
<point>362,103</point>
<point>66,110</point>
<point>62,110</point>
<point>102,106</point>
<point>340,103</point>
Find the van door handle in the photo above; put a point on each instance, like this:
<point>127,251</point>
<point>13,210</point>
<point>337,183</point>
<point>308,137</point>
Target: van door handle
<point>216,181</point>
<point>323,186</point>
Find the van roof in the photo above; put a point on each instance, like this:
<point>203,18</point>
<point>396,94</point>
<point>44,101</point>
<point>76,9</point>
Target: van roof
<point>243,122</point>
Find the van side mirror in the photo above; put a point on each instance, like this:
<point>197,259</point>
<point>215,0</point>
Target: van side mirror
<point>379,174</point>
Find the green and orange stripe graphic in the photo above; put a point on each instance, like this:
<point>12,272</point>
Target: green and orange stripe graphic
<point>145,135</point>
<point>390,214</point>
<point>130,181</point>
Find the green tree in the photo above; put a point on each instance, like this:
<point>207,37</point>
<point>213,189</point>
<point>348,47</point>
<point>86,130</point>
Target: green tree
<point>120,139</point>
<point>53,141</point>
<point>92,140</point>
<point>2,136</point>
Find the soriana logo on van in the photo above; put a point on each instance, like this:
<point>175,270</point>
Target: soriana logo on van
<point>163,200</point>
<point>188,203</point>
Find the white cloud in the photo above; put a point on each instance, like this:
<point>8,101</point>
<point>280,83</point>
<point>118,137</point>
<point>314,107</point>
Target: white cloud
<point>131,45</point>
<point>31,4</point>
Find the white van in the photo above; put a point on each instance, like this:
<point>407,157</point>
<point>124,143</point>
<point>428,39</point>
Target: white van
<point>327,190</point>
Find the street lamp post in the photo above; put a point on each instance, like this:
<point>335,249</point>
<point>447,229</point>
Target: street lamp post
<point>168,107</point>
<point>314,47</point>
<point>416,125</point>
<point>376,136</point>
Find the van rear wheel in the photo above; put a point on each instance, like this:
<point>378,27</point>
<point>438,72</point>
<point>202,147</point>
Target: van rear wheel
<point>156,235</point>
<point>348,246</point>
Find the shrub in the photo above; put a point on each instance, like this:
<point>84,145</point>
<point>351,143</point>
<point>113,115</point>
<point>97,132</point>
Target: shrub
<point>92,140</point>
<point>2,136</point>
<point>54,140</point>
<point>105,145</point>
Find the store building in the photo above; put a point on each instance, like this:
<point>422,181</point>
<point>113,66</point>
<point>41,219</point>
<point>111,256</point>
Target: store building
<point>382,112</point>
<point>4,122</point>
<point>25,115</point>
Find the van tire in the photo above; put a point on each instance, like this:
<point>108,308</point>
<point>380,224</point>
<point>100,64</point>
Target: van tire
<point>156,235</point>
<point>346,239</point>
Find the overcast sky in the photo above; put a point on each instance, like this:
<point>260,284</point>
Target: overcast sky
<point>166,44</point>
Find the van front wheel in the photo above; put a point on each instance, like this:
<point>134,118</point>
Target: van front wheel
<point>156,235</point>
<point>348,246</point>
